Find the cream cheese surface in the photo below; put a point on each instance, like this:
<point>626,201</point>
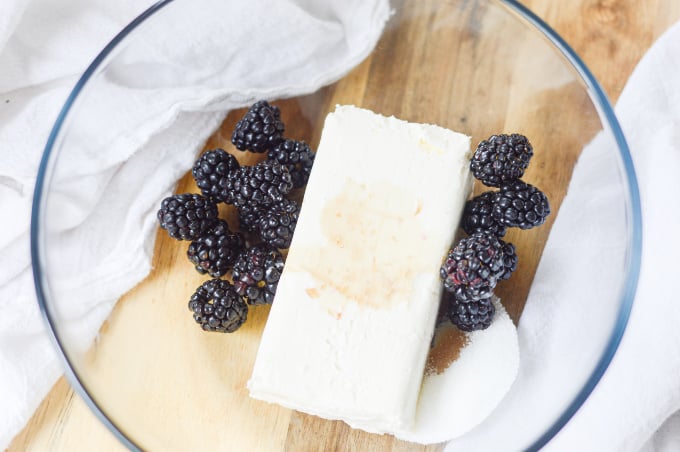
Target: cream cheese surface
<point>349,331</point>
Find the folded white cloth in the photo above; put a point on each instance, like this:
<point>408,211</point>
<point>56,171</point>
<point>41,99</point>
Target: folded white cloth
<point>639,394</point>
<point>632,408</point>
<point>44,46</point>
<point>640,390</point>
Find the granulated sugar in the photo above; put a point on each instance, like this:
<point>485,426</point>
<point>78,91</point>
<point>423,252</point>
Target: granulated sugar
<point>481,368</point>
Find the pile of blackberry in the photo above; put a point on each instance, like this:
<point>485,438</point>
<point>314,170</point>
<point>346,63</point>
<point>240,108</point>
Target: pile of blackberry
<point>267,218</point>
<point>479,261</point>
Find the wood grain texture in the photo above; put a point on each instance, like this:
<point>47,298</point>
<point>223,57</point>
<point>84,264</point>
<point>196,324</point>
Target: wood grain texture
<point>610,35</point>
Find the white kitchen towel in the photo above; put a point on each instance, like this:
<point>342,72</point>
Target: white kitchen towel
<point>563,328</point>
<point>299,45</point>
<point>640,391</point>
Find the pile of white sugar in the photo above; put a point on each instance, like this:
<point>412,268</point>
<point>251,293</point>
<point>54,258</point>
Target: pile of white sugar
<point>455,401</point>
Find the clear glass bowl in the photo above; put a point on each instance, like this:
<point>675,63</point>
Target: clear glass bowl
<point>480,67</point>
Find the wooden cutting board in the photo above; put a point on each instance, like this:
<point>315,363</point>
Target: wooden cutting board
<point>611,36</point>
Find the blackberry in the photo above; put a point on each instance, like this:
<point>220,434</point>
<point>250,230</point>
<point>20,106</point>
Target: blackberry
<point>475,263</point>
<point>211,173</point>
<point>501,158</point>
<point>260,185</point>
<point>277,223</point>
<point>187,216</point>
<point>256,274</point>
<point>260,128</point>
<point>216,251</point>
<point>297,156</point>
<point>249,218</point>
<point>472,315</point>
<point>217,306</point>
<point>509,261</point>
<point>520,205</point>
<point>478,215</point>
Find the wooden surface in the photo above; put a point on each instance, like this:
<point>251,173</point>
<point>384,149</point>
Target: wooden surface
<point>611,36</point>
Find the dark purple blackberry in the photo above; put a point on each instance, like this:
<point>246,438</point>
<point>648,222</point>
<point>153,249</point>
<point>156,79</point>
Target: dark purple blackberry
<point>277,223</point>
<point>187,216</point>
<point>211,173</point>
<point>478,215</point>
<point>474,263</point>
<point>461,295</point>
<point>256,274</point>
<point>260,129</point>
<point>260,185</point>
<point>509,261</point>
<point>472,315</point>
<point>520,205</point>
<point>249,218</point>
<point>297,156</point>
<point>501,158</point>
<point>217,306</point>
<point>216,251</point>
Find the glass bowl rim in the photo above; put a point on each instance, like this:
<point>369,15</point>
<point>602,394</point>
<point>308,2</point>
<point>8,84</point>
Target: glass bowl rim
<point>598,97</point>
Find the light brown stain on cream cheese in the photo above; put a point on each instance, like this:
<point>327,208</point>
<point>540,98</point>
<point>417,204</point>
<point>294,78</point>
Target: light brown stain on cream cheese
<point>313,292</point>
<point>375,246</point>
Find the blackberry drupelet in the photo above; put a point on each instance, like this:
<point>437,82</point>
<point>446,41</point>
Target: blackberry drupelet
<point>297,156</point>
<point>217,306</point>
<point>520,205</point>
<point>463,293</point>
<point>478,215</point>
<point>277,223</point>
<point>474,263</point>
<point>260,129</point>
<point>216,251</point>
<point>260,185</point>
<point>501,158</point>
<point>187,216</point>
<point>256,274</point>
<point>472,315</point>
<point>211,173</point>
<point>249,218</point>
<point>509,261</point>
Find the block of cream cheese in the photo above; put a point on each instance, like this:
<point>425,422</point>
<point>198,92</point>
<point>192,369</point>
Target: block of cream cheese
<point>349,331</point>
